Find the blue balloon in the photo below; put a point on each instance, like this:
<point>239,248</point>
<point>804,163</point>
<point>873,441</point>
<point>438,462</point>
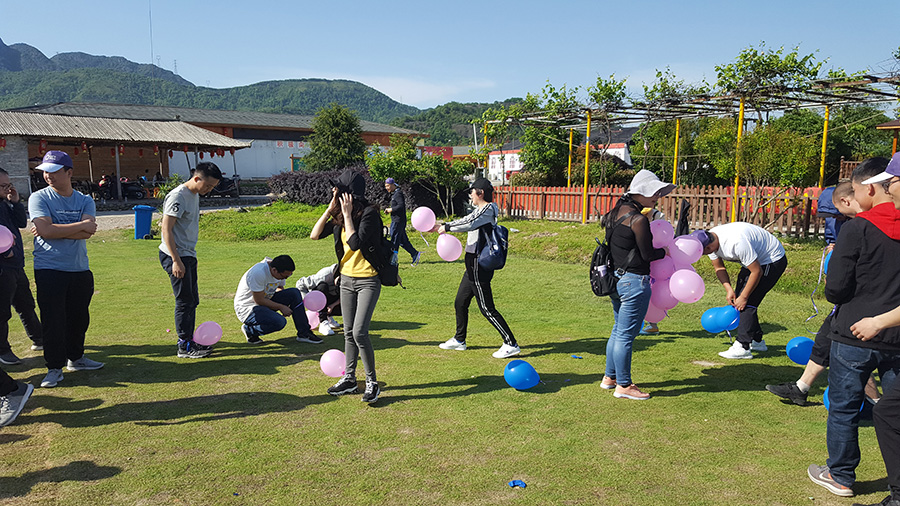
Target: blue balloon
<point>520,375</point>
<point>728,317</point>
<point>827,259</point>
<point>710,321</point>
<point>799,349</point>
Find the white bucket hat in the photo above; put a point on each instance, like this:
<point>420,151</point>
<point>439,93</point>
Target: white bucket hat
<point>646,183</point>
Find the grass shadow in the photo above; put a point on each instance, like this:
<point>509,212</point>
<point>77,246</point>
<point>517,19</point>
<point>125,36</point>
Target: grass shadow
<point>80,470</point>
<point>12,438</point>
<point>871,487</point>
<point>727,378</point>
<point>382,325</point>
<point>173,412</point>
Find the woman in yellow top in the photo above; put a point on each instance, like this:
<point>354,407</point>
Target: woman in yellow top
<point>357,228</point>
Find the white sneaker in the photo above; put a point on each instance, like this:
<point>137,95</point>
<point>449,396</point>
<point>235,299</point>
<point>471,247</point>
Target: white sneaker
<point>53,377</point>
<point>325,329</point>
<point>758,345</point>
<point>334,325</point>
<point>84,364</point>
<point>736,351</point>
<point>506,351</point>
<point>452,344</point>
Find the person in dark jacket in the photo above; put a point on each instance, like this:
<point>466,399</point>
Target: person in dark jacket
<point>357,229</point>
<point>862,281</point>
<point>631,247</point>
<point>15,290</point>
<point>398,221</point>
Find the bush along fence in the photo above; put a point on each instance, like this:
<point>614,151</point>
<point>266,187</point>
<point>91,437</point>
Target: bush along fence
<point>790,211</point>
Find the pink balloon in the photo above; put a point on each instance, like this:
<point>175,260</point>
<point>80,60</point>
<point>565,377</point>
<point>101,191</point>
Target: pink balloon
<point>662,233</point>
<point>448,247</point>
<point>7,239</point>
<point>662,297</point>
<point>662,269</point>
<point>685,250</point>
<point>687,286</point>
<point>208,333</point>
<point>423,219</point>
<point>314,301</point>
<point>313,318</point>
<point>333,363</point>
<point>654,314</point>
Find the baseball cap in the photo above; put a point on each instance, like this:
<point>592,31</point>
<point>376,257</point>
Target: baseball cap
<point>892,169</point>
<point>389,180</point>
<point>482,184</point>
<point>702,236</point>
<point>54,160</point>
<point>646,183</point>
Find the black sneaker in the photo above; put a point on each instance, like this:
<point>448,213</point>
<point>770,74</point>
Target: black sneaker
<point>789,391</point>
<point>190,349</point>
<point>308,337</point>
<point>252,339</point>
<point>373,390</point>
<point>347,385</point>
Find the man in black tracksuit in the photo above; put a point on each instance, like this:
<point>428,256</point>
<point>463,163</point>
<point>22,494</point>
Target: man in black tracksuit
<point>862,281</point>
<point>398,221</point>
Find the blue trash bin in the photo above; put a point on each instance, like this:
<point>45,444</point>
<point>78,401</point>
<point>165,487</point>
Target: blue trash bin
<point>143,215</point>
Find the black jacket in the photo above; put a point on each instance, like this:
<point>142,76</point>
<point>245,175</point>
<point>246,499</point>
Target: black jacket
<point>369,233</point>
<point>864,276</point>
<point>12,216</point>
<point>398,208</point>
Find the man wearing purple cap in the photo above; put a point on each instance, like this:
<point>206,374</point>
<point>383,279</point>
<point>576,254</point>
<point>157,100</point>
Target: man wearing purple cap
<point>398,221</point>
<point>63,218</point>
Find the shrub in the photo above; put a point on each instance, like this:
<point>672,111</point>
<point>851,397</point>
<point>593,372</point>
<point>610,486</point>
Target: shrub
<point>273,231</point>
<point>528,178</point>
<point>314,188</point>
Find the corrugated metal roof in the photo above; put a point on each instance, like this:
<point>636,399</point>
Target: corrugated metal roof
<point>199,116</point>
<point>50,126</point>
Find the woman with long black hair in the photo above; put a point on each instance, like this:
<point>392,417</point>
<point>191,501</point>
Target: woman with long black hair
<point>357,228</point>
<point>631,247</point>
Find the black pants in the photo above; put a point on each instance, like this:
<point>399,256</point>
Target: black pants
<point>821,350</point>
<point>887,427</point>
<point>476,282</point>
<point>749,329</point>
<point>7,384</point>
<point>15,292</point>
<point>64,299</point>
<point>187,295</point>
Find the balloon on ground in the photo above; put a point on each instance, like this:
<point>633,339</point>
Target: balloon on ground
<point>662,233</point>
<point>7,239</point>
<point>520,375</point>
<point>208,333</point>
<point>448,247</point>
<point>799,349</point>
<point>332,363</point>
<point>687,286</point>
<point>313,318</point>
<point>423,219</point>
<point>314,301</point>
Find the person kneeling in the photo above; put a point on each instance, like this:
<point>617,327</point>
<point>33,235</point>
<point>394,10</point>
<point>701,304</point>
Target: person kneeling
<point>261,296</point>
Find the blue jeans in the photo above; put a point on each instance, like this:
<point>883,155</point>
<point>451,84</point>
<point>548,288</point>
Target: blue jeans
<point>263,320</point>
<point>399,238</point>
<point>629,307</point>
<point>847,376</point>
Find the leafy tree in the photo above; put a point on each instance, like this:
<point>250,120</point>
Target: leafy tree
<point>336,141</point>
<point>606,97</point>
<point>545,153</point>
<point>398,161</point>
<point>442,178</point>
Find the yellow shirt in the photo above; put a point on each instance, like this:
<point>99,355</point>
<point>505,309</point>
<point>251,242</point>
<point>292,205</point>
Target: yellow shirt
<point>354,264</point>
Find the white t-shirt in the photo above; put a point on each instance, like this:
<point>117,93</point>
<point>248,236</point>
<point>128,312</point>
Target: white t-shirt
<point>746,243</point>
<point>184,206</point>
<point>257,279</point>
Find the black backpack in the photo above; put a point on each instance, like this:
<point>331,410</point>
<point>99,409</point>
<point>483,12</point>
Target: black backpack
<point>384,259</point>
<point>494,246</point>
<point>602,272</point>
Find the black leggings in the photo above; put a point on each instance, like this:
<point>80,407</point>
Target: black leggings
<point>476,282</point>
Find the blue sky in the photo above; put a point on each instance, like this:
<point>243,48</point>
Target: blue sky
<point>430,53</point>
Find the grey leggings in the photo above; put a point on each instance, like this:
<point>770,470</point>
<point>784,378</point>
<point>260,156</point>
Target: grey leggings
<point>358,299</point>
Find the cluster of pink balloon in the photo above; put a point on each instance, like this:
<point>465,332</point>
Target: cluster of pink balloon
<point>448,247</point>
<point>314,302</point>
<point>7,239</point>
<point>672,277</point>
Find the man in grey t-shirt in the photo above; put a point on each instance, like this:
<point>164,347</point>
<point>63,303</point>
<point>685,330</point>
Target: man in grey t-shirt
<point>178,256</point>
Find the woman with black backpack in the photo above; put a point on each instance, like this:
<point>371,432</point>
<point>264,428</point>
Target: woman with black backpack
<point>358,231</point>
<point>631,248</point>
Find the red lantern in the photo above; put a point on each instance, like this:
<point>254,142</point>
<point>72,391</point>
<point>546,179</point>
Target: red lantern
<point>43,146</point>
<point>121,150</point>
<point>76,151</point>
<point>220,152</point>
<point>156,150</point>
<point>171,154</point>
<point>201,155</point>
<point>185,148</point>
<point>141,152</point>
<point>112,152</point>
<point>83,146</point>
<point>2,143</point>
<point>231,151</point>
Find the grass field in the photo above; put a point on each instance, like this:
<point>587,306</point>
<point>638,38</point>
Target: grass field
<point>253,425</point>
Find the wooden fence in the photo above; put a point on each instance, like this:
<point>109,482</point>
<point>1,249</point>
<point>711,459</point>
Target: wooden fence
<point>790,211</point>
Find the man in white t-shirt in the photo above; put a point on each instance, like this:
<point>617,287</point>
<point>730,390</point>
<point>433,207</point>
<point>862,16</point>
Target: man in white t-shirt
<point>762,261</point>
<point>261,296</point>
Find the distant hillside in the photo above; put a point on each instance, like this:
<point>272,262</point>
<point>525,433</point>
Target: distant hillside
<point>449,124</point>
<point>27,77</point>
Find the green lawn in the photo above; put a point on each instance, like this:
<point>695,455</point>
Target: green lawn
<point>253,425</point>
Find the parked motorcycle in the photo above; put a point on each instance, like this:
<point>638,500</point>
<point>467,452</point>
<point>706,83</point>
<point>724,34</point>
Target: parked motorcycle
<point>227,187</point>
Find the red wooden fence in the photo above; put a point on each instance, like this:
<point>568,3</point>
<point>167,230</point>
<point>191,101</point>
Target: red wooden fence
<point>790,211</point>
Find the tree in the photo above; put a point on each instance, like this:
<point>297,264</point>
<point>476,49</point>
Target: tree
<point>336,141</point>
<point>398,161</point>
<point>443,178</point>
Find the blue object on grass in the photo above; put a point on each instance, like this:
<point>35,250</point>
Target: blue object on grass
<point>520,375</point>
<point>576,356</point>
<point>517,483</point>
<point>143,215</point>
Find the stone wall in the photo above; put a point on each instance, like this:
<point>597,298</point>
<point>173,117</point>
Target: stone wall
<point>14,159</point>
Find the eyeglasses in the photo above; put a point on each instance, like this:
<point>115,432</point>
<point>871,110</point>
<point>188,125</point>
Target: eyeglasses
<point>6,186</point>
<point>892,181</point>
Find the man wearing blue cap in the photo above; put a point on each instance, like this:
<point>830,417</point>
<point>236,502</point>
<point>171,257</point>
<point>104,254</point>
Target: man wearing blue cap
<point>63,218</point>
<point>398,221</point>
